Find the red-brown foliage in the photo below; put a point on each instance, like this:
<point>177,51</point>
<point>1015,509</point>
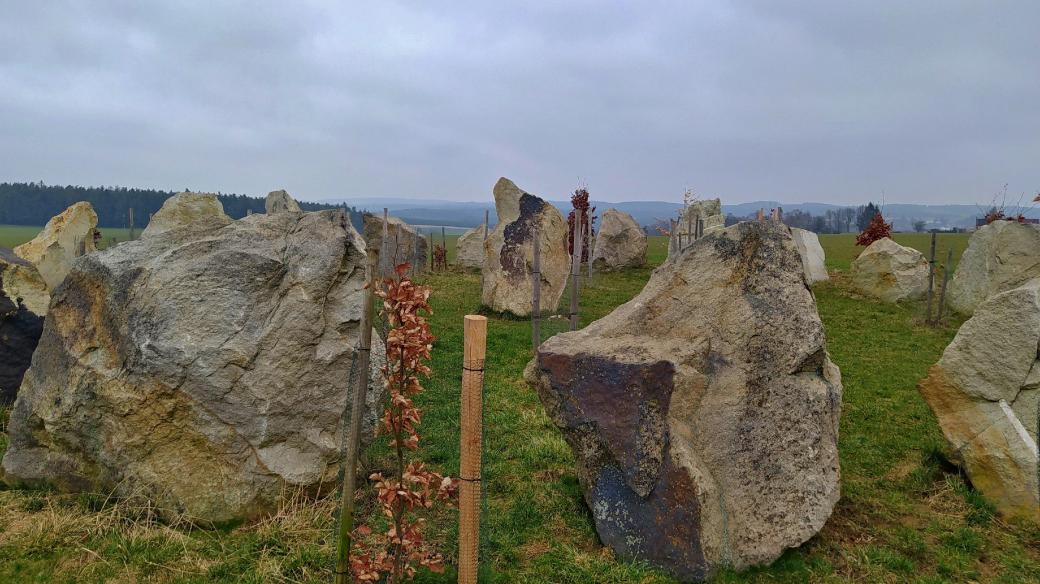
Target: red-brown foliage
<point>580,202</point>
<point>877,229</point>
<point>397,552</point>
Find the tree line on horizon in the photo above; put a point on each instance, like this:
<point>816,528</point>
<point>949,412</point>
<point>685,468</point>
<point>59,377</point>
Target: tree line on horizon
<point>35,203</point>
<point>841,220</point>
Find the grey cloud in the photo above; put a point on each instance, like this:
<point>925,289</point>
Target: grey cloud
<point>829,101</point>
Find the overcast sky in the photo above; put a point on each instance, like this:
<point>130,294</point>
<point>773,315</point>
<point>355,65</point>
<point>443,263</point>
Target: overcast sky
<point>924,101</point>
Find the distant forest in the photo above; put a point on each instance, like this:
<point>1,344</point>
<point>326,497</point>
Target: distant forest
<point>36,203</point>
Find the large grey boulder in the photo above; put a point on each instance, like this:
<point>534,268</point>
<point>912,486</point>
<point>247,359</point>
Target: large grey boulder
<point>620,242</point>
<point>985,390</point>
<point>509,252</point>
<point>204,369</point>
<point>890,272</point>
<point>23,304</point>
<point>281,202</point>
<point>404,244</point>
<point>1000,256</point>
<point>66,236</point>
<point>187,210</point>
<point>704,412</point>
<point>469,249</point>
<point>813,259</point>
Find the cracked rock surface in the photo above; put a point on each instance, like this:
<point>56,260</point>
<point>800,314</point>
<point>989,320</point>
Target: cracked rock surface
<point>204,366</point>
<point>509,252</point>
<point>985,390</point>
<point>704,412</point>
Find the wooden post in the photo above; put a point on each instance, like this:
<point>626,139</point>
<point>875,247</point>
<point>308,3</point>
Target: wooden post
<point>946,278</point>
<point>690,235</point>
<point>429,239</point>
<point>471,422</point>
<point>761,215</point>
<point>931,279</point>
<point>592,249</point>
<point>444,242</point>
<point>131,223</point>
<point>384,247</point>
<point>673,243</point>
<point>575,274</point>
<point>700,228</point>
<point>353,444</point>
<point>536,292</point>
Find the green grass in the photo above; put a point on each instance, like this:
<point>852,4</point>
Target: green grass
<point>905,514</point>
<point>15,235</point>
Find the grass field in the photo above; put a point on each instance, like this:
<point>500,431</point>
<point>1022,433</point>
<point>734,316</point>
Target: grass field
<point>905,514</point>
<point>14,235</point>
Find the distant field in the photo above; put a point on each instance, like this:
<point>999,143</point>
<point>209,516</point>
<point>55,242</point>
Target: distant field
<point>15,235</point>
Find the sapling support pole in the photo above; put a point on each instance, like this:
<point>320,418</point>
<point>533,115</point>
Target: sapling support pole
<point>384,246</point>
<point>471,425</point>
<point>444,242</point>
<point>946,278</point>
<point>131,223</point>
<point>536,292</point>
<point>433,266</point>
<point>575,274</point>
<point>353,446</point>
<point>931,279</point>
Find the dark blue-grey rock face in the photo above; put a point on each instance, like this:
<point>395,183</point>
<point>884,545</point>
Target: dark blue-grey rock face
<point>703,413</point>
<point>20,327</point>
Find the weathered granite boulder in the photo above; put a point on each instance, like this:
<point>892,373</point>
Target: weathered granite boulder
<point>1000,256</point>
<point>404,244</point>
<point>193,211</point>
<point>620,242</point>
<point>890,272</point>
<point>23,304</point>
<point>509,251</point>
<point>66,236</point>
<point>704,412</point>
<point>808,245</point>
<point>985,391</point>
<point>281,202</point>
<point>469,250</point>
<point>206,370</point>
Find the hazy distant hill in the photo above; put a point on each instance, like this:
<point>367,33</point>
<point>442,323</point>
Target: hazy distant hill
<point>470,214</point>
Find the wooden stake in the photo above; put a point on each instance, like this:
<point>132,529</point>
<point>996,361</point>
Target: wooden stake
<point>357,408</point>
<point>432,265</point>
<point>384,246</point>
<point>575,274</point>
<point>471,422</point>
<point>592,249</point>
<point>536,292</point>
<point>931,279</point>
<point>946,278</point>
<point>131,223</point>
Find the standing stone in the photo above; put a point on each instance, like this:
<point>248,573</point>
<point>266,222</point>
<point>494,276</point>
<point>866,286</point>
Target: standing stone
<point>890,272</point>
<point>23,304</point>
<point>704,412</point>
<point>620,242</point>
<point>402,241</point>
<point>469,250</point>
<point>281,202</point>
<point>509,250</point>
<point>203,369</point>
<point>709,211</point>
<point>1000,256</point>
<point>66,236</point>
<point>192,211</point>
<point>985,390</point>
<point>808,244</point>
